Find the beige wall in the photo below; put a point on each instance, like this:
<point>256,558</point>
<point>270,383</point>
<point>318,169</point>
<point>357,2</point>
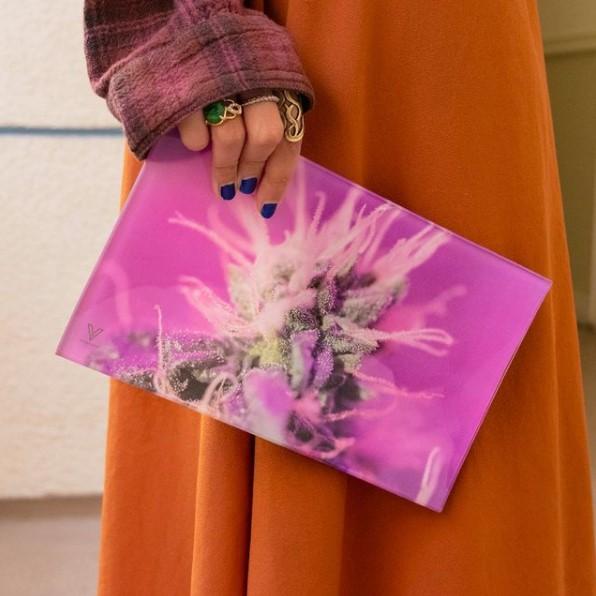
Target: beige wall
<point>569,31</point>
<point>572,83</point>
<point>59,183</point>
<point>59,191</point>
<point>566,21</point>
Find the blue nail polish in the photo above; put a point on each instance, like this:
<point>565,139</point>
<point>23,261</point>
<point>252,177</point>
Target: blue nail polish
<point>268,209</point>
<point>227,191</point>
<point>248,185</point>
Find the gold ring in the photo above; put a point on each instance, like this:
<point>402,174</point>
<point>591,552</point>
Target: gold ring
<point>217,112</point>
<point>292,115</point>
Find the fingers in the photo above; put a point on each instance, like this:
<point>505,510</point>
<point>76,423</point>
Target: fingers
<point>227,141</point>
<point>264,132</point>
<point>194,133</point>
<point>278,172</point>
<point>249,152</point>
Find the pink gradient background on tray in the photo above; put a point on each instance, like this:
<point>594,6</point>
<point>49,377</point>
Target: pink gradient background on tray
<point>416,448</point>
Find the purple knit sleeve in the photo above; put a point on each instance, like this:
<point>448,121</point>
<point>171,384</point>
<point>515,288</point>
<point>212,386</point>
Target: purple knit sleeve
<point>156,61</point>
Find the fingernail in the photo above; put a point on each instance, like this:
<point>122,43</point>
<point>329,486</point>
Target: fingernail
<point>268,209</point>
<point>248,185</point>
<point>227,191</point>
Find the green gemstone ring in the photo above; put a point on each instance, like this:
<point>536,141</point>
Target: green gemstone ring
<point>217,112</point>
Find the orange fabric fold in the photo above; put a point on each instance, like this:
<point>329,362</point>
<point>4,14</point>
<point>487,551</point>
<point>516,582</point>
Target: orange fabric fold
<point>445,109</point>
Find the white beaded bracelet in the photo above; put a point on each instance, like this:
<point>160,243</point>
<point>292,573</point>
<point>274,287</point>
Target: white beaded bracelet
<point>259,99</point>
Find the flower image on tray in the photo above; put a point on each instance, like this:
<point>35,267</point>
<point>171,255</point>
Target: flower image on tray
<point>344,328</point>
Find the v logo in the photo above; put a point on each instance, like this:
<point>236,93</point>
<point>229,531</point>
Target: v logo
<point>92,331</point>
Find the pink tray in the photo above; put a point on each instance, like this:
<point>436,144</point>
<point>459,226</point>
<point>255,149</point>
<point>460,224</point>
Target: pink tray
<point>345,328</point>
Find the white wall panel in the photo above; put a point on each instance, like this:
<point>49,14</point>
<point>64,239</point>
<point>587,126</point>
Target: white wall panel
<point>43,77</point>
<point>59,200</point>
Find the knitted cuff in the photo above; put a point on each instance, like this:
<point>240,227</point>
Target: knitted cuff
<point>187,65</point>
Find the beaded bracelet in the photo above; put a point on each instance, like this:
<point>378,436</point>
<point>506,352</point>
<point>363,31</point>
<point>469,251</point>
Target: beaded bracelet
<point>259,99</point>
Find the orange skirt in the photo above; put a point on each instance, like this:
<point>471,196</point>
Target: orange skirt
<point>445,109</point>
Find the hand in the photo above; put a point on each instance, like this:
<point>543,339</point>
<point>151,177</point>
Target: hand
<point>250,153</point>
